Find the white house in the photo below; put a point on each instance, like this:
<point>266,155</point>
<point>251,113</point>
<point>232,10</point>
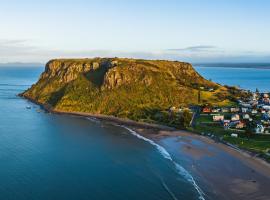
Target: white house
<point>215,110</point>
<point>246,116</point>
<point>266,107</point>
<point>265,95</point>
<point>259,129</point>
<point>244,110</point>
<point>235,117</point>
<point>234,109</point>
<point>254,111</point>
<point>217,118</point>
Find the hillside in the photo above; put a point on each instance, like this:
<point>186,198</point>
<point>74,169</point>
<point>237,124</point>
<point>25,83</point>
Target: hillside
<point>127,88</point>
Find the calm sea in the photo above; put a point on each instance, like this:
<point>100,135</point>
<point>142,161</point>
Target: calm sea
<point>246,76</point>
<point>52,157</point>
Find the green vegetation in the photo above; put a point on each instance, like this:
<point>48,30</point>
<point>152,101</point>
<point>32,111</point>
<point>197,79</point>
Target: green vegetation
<point>142,90</point>
<point>259,144</point>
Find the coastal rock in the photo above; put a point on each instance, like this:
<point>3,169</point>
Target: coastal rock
<point>132,88</point>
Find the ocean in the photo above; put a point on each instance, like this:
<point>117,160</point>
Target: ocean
<point>246,76</point>
<point>55,157</point>
<point>46,156</point>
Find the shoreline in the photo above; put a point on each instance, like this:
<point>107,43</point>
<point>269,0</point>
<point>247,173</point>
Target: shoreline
<point>254,167</point>
<point>137,125</point>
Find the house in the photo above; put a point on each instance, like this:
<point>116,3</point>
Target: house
<point>240,125</point>
<point>265,117</point>
<point>253,103</point>
<point>246,105</point>
<point>217,118</point>
<point>266,131</point>
<point>224,110</point>
<point>246,116</point>
<point>233,110</point>
<point>226,124</point>
<point>215,110</point>
<point>259,129</point>
<point>254,111</point>
<point>265,95</point>
<point>266,107</point>
<point>234,135</point>
<point>244,110</point>
<point>207,110</point>
<point>235,117</point>
<point>265,100</point>
<point>255,96</point>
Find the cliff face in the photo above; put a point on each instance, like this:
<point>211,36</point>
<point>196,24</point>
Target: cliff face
<point>121,87</point>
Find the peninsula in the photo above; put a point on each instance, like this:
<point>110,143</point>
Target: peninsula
<point>140,90</point>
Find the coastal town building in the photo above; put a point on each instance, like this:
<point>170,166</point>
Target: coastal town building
<point>235,117</point>
<point>207,110</point>
<point>244,110</point>
<point>215,110</point>
<point>217,118</point>
<point>240,125</point>
<point>233,110</point>
<point>259,129</point>
<point>246,116</point>
<point>254,111</point>
<point>224,110</point>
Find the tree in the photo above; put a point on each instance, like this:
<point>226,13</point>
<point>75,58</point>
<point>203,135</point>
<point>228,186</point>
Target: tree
<point>199,96</point>
<point>249,128</point>
<point>187,116</point>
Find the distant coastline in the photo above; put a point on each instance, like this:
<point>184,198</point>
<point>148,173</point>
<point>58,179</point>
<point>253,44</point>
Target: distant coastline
<point>19,64</point>
<point>234,65</point>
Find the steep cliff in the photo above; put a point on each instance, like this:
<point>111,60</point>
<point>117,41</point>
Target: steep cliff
<point>122,87</point>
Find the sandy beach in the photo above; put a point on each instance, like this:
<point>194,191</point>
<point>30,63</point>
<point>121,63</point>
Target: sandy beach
<point>221,171</point>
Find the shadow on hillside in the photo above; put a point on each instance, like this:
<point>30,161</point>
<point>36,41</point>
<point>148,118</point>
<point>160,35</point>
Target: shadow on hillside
<point>55,97</point>
<point>97,76</point>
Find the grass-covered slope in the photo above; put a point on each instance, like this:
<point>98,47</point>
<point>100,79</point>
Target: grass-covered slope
<point>136,89</point>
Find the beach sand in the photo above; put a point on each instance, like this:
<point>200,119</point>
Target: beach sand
<point>221,171</point>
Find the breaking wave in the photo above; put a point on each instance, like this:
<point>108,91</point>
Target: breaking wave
<point>93,119</point>
<point>180,170</point>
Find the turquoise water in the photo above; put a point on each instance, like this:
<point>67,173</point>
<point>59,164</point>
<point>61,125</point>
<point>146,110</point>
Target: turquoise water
<point>52,157</point>
<point>235,75</point>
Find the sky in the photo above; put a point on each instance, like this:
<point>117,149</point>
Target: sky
<point>186,30</point>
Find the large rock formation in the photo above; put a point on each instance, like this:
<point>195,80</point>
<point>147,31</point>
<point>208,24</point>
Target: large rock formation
<point>121,87</point>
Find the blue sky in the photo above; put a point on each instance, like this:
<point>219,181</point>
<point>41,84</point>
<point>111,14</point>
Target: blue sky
<point>190,30</point>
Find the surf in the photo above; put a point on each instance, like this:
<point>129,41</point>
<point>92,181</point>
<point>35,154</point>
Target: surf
<point>180,170</point>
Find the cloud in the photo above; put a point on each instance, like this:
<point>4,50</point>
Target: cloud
<point>24,51</point>
<point>197,48</point>
<point>6,42</point>
<point>13,48</point>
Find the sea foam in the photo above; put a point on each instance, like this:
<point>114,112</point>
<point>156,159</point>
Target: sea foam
<point>181,170</point>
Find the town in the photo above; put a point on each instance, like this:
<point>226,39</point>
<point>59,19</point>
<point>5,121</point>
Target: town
<point>245,124</point>
<point>252,116</point>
